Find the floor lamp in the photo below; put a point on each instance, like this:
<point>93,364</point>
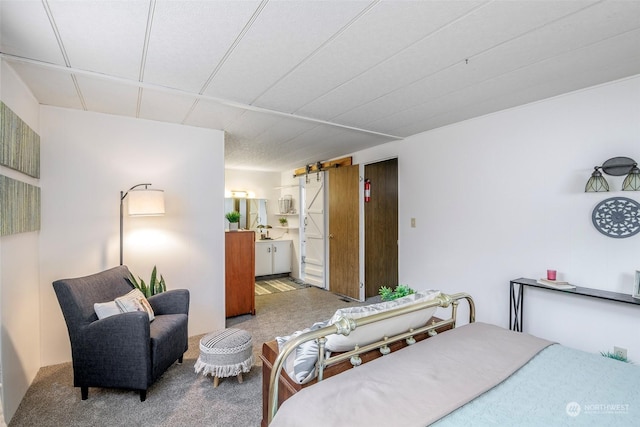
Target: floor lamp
<point>142,202</point>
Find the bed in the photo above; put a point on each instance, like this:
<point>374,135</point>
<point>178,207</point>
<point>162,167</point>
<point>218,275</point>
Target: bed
<point>475,374</point>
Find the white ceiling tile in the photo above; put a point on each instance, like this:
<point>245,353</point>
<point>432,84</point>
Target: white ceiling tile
<point>462,39</point>
<point>165,106</point>
<point>189,39</point>
<point>103,35</point>
<point>600,63</point>
<point>26,32</point>
<point>282,36</point>
<point>557,38</point>
<point>50,87</point>
<point>211,114</point>
<point>386,29</point>
<point>109,97</point>
<point>395,67</point>
<point>252,123</point>
<point>284,131</point>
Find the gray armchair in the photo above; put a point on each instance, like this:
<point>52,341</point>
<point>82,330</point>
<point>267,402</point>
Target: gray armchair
<point>122,351</point>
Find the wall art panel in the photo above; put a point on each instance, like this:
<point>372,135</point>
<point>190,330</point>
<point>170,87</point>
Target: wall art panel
<point>19,206</point>
<point>19,144</point>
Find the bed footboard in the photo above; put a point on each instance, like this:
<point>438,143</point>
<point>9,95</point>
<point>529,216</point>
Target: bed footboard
<point>344,326</point>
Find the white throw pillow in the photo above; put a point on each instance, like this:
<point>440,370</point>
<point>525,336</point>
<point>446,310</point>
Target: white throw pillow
<point>375,331</point>
<point>135,301</point>
<point>106,309</point>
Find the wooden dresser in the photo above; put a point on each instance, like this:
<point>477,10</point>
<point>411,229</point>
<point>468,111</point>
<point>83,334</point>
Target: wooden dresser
<point>239,273</point>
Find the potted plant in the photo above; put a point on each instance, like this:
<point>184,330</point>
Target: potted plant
<point>154,287</point>
<point>283,221</point>
<point>234,218</point>
<point>388,294</point>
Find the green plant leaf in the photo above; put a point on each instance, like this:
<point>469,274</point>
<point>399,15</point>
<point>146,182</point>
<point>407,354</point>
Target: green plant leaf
<point>387,294</point>
<point>154,287</point>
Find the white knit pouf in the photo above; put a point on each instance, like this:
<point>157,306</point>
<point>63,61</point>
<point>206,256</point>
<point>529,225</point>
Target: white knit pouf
<point>225,353</point>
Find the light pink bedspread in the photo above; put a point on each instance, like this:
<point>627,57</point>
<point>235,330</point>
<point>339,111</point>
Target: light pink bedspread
<point>417,385</point>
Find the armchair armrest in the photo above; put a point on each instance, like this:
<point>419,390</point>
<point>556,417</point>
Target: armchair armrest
<point>114,352</point>
<point>121,329</point>
<point>175,301</point>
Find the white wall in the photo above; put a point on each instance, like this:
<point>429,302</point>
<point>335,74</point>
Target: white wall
<point>19,279</point>
<point>87,159</point>
<point>502,197</point>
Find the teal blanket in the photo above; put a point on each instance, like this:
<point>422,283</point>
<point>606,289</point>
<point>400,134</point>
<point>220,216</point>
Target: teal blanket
<point>559,387</point>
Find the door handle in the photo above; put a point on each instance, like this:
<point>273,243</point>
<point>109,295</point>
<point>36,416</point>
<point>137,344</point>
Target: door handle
<point>275,249</point>
<point>268,250</point>
<point>331,235</point>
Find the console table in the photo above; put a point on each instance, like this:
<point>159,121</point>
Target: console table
<point>516,288</point>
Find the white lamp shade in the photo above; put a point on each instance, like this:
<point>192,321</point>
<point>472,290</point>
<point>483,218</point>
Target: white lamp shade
<point>146,202</point>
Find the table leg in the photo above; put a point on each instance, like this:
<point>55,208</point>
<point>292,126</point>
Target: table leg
<point>516,306</point>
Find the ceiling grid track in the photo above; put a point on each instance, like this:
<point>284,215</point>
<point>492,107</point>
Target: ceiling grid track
<point>165,89</point>
<point>495,77</point>
<point>356,76</point>
<point>145,50</point>
<point>321,47</point>
<point>63,51</point>
<point>466,60</point>
<point>226,56</point>
<point>235,44</point>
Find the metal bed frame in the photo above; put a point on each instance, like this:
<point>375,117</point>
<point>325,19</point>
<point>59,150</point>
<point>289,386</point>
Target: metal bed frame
<point>344,326</point>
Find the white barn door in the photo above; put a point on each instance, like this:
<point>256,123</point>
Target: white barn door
<point>313,229</point>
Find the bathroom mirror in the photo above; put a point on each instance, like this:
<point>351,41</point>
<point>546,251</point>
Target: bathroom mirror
<point>252,211</point>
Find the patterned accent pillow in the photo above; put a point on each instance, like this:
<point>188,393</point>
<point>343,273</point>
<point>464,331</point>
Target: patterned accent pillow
<point>135,301</point>
<point>106,309</point>
<point>375,331</point>
<point>301,363</point>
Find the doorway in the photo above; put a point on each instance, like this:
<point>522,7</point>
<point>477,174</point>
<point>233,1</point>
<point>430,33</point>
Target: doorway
<point>381,227</point>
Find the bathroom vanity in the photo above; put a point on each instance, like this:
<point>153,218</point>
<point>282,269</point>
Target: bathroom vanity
<point>273,257</point>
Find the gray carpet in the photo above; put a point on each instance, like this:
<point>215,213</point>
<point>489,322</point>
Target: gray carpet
<point>179,397</point>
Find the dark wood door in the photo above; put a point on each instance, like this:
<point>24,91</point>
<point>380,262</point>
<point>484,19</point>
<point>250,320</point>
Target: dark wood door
<point>381,227</point>
<point>344,265</point>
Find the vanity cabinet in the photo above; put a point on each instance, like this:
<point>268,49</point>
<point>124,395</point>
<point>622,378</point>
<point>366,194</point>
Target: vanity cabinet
<point>273,257</point>
<point>239,273</point>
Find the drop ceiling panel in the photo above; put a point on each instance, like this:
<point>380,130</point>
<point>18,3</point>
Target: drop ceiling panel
<point>211,114</point>
<point>105,36</point>
<point>386,29</point>
<point>395,67</point>
<point>26,32</point>
<point>545,79</point>
<point>453,44</point>
<point>282,36</point>
<point>555,39</point>
<point>282,132</point>
<point>328,145</point>
<point>164,106</point>
<point>109,97</point>
<point>50,87</point>
<point>189,39</point>
<point>530,94</point>
<point>251,124</point>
